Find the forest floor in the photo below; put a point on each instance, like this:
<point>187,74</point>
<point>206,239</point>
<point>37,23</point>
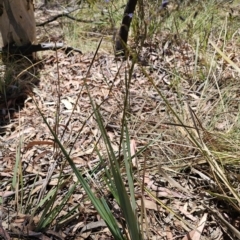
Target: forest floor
<point>186,198</point>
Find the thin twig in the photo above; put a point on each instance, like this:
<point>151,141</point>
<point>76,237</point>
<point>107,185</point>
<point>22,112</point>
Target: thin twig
<point>63,15</point>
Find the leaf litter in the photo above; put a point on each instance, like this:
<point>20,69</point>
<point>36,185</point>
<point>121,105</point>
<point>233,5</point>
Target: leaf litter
<point>176,173</point>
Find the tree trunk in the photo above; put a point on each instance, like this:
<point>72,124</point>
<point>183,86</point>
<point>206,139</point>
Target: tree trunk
<point>17,22</point>
<point>122,36</point>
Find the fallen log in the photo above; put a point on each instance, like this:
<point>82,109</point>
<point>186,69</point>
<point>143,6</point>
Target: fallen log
<point>29,49</point>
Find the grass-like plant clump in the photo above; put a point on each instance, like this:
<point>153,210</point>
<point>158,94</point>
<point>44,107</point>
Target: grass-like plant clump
<point>145,147</point>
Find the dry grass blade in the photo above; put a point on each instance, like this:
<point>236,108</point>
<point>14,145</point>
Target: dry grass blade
<point>187,226</point>
<point>227,59</point>
<point>196,234</point>
<point>172,181</point>
<point>221,175</point>
<point>226,223</point>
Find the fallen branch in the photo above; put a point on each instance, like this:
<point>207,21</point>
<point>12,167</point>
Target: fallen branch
<point>29,49</point>
<point>63,15</point>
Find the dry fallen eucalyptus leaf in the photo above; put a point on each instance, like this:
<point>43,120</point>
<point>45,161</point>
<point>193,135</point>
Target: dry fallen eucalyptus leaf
<point>148,204</point>
<point>196,234</point>
<point>68,105</point>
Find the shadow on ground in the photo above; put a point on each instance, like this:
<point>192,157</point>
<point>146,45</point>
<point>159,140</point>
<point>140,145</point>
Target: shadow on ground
<point>18,77</point>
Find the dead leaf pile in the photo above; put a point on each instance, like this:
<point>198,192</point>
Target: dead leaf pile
<point>177,182</point>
